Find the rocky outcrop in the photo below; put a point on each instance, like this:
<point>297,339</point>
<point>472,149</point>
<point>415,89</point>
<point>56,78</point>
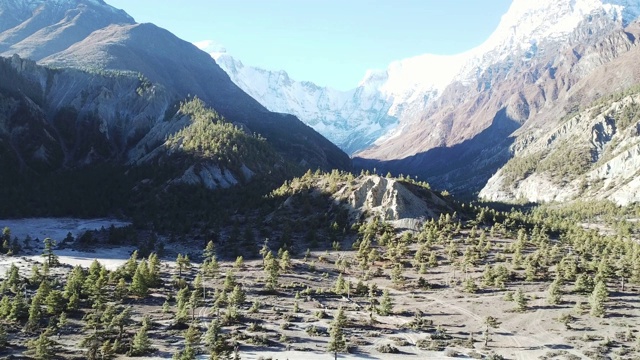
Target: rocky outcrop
<point>210,176</point>
<point>402,204</point>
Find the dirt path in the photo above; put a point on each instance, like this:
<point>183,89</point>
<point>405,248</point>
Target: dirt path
<point>544,336</point>
<point>509,335</point>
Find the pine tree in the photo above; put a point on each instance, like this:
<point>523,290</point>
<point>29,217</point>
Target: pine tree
<point>195,301</point>
<point>141,343</point>
<point>5,307</point>
<point>272,268</point>
<point>74,302</point>
<point>213,339</point>
<point>183,263</point>
<point>386,304</point>
<point>74,283</point>
<point>598,299</point>
<point>6,234</point>
<point>210,251</point>
<point>239,264</point>
<point>95,283</point>
<point>229,281</point>
<point>120,320</point>
<point>50,258</point>
<point>192,335</point>
<point>153,270</point>
<point>490,322</point>
<point>470,286</point>
<point>397,275</point>
<point>211,266</point>
<point>182,300</point>
<point>166,307</point>
<point>42,348</point>
<point>339,286</point>
<point>62,320</point>
<point>264,251</point>
<point>584,284</point>
<point>120,291</point>
<point>554,294</point>
<point>19,309</point>
<point>198,287</point>
<point>35,313</point>
<point>106,350</point>
<point>285,261</point>
<point>337,342</point>
<point>238,296</point>
<point>520,299</point>
<point>92,343</point>
<point>139,285</point>
<point>4,340</point>
<point>55,302</point>
<point>188,353</point>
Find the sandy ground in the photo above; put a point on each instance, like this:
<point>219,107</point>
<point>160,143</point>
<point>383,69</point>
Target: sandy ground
<point>306,355</point>
<point>55,228</point>
<point>529,335</point>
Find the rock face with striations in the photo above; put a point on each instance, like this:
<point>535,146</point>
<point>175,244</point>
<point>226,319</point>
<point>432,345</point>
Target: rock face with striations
<point>403,204</point>
<point>594,154</point>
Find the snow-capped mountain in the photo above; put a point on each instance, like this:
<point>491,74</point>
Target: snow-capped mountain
<point>351,119</point>
<point>408,89</point>
<point>528,33</point>
<point>455,119</point>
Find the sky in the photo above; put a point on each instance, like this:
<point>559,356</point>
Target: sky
<point>329,42</point>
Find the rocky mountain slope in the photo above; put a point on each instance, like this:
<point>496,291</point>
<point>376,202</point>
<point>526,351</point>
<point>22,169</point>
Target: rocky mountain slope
<point>91,35</point>
<point>557,62</point>
<point>77,138</point>
<point>592,154</point>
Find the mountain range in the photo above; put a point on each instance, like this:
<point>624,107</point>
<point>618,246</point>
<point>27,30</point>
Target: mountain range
<point>456,120</point>
<point>93,36</point>
<point>87,90</point>
<point>88,86</point>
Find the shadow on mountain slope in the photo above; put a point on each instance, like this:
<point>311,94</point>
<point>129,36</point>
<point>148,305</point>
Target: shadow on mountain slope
<point>462,169</point>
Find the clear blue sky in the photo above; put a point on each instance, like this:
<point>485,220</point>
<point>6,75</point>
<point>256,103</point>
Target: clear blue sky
<point>329,42</point>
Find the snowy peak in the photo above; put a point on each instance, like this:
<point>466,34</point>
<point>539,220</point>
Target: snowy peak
<point>351,119</point>
<point>22,6</point>
<point>530,21</point>
<point>408,88</point>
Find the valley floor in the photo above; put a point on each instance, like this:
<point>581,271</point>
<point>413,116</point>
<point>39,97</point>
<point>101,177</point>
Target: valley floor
<point>439,320</point>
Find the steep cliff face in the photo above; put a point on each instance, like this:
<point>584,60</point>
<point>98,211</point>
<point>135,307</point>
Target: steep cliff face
<point>402,204</point>
<point>399,203</point>
<point>592,154</point>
